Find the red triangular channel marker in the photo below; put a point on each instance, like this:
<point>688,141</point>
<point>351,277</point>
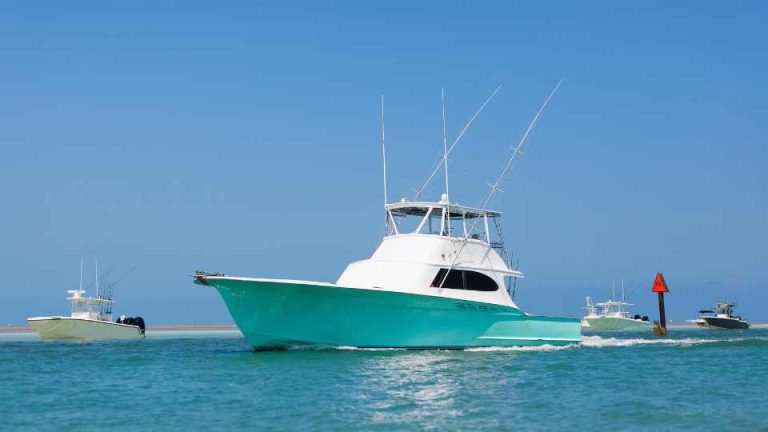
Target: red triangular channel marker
<point>659,285</point>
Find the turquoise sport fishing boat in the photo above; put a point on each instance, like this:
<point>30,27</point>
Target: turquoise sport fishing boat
<point>431,287</point>
<point>440,279</point>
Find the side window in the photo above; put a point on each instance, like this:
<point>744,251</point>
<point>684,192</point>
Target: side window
<point>464,279</point>
<point>455,279</point>
<point>479,282</point>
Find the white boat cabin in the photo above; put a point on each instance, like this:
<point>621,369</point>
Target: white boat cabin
<point>99,309</point>
<point>610,308</point>
<point>725,310</point>
<point>438,249</point>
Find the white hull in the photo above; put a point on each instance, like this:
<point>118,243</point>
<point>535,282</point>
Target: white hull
<point>604,323</point>
<point>58,328</point>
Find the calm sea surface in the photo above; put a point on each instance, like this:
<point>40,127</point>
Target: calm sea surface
<point>694,379</point>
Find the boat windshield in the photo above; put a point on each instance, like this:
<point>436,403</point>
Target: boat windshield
<point>725,309</point>
<point>442,219</point>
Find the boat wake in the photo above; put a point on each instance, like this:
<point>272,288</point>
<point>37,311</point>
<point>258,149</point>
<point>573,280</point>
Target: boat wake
<point>586,342</point>
<point>601,342</point>
<point>611,342</point>
<point>524,348</point>
<point>352,348</point>
<point>478,349</point>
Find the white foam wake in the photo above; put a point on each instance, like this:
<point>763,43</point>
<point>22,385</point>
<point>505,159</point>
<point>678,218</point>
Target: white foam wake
<point>586,342</point>
<point>601,342</point>
<point>610,342</point>
<point>523,348</point>
<point>477,349</point>
<point>353,348</point>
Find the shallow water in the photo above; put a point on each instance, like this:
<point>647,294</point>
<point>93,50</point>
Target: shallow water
<point>694,379</point>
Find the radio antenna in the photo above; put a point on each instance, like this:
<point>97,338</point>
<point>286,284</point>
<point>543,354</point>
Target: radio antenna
<point>445,164</point>
<point>420,192</point>
<point>97,276</point>
<point>495,187</point>
<point>383,150</point>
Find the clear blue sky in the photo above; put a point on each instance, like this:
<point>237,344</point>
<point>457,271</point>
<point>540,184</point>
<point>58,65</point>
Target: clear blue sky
<point>244,137</point>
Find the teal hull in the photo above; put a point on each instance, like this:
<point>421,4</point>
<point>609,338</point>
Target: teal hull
<point>277,314</point>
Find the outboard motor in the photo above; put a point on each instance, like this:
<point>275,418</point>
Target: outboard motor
<point>637,317</point>
<point>140,322</point>
<point>645,317</point>
<point>137,321</point>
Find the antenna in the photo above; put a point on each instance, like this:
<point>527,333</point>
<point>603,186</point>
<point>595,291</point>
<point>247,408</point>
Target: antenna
<point>495,187</point>
<point>613,289</point>
<point>420,192</point>
<point>97,276</point>
<point>383,150</point>
<point>622,288</point>
<point>81,274</point>
<point>445,164</point>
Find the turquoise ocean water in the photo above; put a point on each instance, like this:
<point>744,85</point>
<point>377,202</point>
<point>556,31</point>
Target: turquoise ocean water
<point>693,380</point>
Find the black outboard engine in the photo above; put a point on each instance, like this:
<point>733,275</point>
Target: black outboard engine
<point>139,321</point>
<point>645,317</point>
<point>637,317</point>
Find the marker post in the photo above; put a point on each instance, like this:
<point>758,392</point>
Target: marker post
<point>660,287</point>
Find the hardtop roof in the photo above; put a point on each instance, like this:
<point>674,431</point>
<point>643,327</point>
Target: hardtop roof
<point>420,208</point>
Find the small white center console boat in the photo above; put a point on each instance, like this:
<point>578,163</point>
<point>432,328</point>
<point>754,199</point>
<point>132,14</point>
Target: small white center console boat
<point>91,319</point>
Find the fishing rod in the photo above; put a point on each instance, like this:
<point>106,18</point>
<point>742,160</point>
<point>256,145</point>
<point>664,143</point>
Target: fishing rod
<point>632,290</point>
<point>496,186</point>
<point>93,284</point>
<point>106,306</point>
<point>110,289</point>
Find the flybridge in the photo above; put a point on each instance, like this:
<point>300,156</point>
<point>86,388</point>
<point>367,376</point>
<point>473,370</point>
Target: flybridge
<point>444,219</point>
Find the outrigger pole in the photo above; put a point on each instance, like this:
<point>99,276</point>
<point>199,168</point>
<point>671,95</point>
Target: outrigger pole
<point>495,187</point>
<point>420,191</point>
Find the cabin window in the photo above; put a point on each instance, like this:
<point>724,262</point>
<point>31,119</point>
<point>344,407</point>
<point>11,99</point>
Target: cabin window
<point>432,222</point>
<point>406,224</point>
<point>475,227</point>
<point>464,279</point>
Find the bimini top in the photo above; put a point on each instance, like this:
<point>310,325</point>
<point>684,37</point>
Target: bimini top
<point>420,208</point>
